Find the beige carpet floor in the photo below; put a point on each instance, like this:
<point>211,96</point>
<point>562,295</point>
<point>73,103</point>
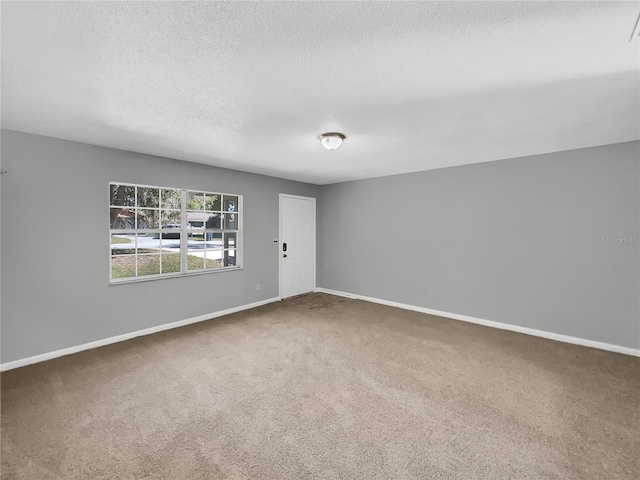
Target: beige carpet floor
<point>328,388</point>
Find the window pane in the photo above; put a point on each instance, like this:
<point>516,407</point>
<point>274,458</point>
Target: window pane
<point>230,221</point>
<point>171,199</point>
<point>148,243</point>
<point>148,218</point>
<point>123,244</point>
<point>171,233</point>
<point>214,240</point>
<point>229,258</point>
<point>195,260</point>
<point>123,266</point>
<point>148,265</point>
<point>171,219</point>
<point>123,195</point>
<point>230,203</point>
<point>195,201</point>
<point>195,241</point>
<point>229,240</point>
<point>195,219</point>
<point>213,258</point>
<point>212,220</point>
<point>212,202</point>
<point>123,218</point>
<point>148,197</point>
<point>170,262</point>
<point>171,242</point>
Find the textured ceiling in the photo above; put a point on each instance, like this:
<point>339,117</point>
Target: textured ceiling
<point>250,85</point>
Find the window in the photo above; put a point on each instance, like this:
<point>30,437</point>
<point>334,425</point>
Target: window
<point>159,232</point>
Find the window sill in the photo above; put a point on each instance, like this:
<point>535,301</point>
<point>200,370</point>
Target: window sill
<point>150,278</point>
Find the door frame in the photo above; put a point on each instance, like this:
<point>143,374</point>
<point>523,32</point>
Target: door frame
<point>315,233</point>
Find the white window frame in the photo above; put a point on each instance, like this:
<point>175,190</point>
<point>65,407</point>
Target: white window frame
<point>184,231</point>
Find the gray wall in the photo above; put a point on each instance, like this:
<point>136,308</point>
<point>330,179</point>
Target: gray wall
<point>518,241</point>
<point>55,250</point>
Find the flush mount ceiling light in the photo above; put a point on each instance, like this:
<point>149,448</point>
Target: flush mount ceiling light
<point>331,140</point>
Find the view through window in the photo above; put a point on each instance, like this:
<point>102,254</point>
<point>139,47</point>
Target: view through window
<point>159,231</point>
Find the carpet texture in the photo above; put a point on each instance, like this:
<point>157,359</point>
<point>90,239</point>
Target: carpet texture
<point>329,388</point>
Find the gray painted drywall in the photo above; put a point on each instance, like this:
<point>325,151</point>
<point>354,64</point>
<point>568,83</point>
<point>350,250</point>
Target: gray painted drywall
<point>519,241</point>
<point>55,288</point>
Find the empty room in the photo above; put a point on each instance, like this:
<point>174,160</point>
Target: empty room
<point>320,240</point>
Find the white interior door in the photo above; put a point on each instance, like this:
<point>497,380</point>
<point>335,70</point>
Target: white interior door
<point>297,246</point>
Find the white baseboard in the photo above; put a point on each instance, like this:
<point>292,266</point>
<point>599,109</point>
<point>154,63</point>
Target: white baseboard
<point>489,323</point>
<point>126,336</point>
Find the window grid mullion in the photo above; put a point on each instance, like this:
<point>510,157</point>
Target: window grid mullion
<point>184,244</point>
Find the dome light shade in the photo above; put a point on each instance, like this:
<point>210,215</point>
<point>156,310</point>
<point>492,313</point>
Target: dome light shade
<point>331,140</point>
